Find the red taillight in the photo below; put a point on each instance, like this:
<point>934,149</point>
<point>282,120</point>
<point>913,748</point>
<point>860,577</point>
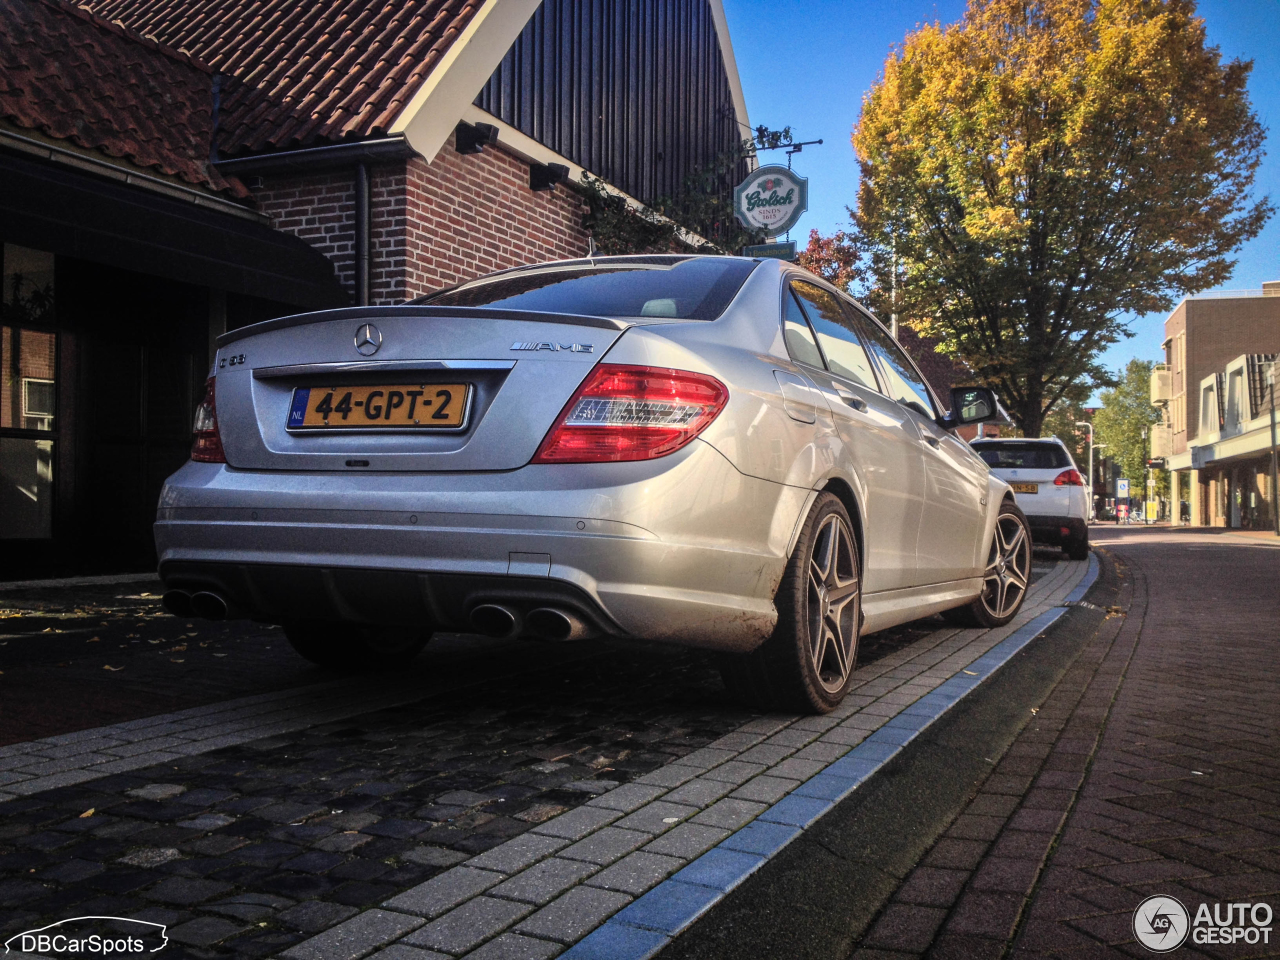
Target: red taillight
<point>1068,478</point>
<point>632,413</point>
<point>206,446</point>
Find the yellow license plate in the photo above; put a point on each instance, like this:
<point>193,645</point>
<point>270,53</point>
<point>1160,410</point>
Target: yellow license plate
<point>1025,487</point>
<point>413,406</point>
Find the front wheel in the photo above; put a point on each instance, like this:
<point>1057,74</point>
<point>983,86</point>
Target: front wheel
<point>354,646</point>
<point>807,664</point>
<point>1006,576</point>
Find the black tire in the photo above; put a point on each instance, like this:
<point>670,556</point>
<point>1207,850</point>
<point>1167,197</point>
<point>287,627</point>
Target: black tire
<point>1077,548</point>
<point>358,647</point>
<point>820,594</point>
<point>980,612</point>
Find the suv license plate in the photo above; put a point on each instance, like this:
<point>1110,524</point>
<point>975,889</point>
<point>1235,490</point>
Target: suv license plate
<point>414,406</point>
<point>1025,487</point>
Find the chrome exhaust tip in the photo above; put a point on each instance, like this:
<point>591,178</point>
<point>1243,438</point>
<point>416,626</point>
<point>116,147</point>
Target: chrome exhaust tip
<point>208,606</point>
<point>548,623</point>
<point>178,602</point>
<point>494,620</point>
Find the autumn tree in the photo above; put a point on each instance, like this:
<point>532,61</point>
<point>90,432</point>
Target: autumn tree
<point>1044,167</point>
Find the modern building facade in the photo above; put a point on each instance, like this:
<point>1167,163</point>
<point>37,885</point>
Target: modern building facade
<point>1214,387</point>
<point>171,169</point>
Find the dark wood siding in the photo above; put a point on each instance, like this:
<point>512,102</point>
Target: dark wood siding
<point>635,91</point>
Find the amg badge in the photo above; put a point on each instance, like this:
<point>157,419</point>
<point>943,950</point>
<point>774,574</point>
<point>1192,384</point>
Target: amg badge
<point>544,345</point>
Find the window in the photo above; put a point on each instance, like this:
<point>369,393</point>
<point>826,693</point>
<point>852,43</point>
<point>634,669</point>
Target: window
<point>796,332</point>
<point>667,287</point>
<point>1025,456</point>
<point>845,354</point>
<point>904,384</point>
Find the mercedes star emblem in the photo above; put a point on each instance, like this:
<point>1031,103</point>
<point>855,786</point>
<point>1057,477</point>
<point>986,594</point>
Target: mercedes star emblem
<point>368,340</point>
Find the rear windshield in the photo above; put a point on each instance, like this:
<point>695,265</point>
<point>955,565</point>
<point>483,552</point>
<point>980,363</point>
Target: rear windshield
<point>696,288</point>
<point>1028,456</point>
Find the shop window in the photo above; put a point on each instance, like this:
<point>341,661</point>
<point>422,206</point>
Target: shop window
<point>28,395</point>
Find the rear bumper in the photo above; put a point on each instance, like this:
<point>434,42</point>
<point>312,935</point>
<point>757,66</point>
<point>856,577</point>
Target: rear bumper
<point>1045,529</point>
<point>684,549</point>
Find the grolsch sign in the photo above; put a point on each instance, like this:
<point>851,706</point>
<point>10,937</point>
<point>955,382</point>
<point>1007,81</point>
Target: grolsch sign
<point>771,199</point>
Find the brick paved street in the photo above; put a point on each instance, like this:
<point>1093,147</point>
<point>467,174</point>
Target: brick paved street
<point>566,774</point>
<point>1152,768</point>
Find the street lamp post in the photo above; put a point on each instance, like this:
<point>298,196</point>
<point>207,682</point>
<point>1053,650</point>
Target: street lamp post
<point>1275,493</point>
<point>1146,494</point>
<point>1098,448</point>
<point>1083,423</point>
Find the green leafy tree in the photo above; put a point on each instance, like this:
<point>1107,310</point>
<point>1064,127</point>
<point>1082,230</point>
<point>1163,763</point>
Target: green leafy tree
<point>1038,170</point>
<point>1126,412</point>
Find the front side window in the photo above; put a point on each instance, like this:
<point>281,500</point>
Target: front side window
<point>903,383</point>
<point>845,354</point>
<point>658,287</point>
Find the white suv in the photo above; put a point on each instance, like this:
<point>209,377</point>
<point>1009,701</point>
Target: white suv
<point>1047,486</point>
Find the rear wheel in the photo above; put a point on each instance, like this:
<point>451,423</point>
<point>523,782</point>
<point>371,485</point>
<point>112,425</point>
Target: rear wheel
<point>807,663</point>
<point>354,646</point>
<point>1006,577</point>
<point>1077,548</point>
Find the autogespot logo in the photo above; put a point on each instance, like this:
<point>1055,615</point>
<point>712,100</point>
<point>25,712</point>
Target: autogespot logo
<point>91,936</point>
<point>1161,923</point>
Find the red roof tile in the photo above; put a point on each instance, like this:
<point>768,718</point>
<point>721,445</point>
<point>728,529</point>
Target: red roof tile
<point>74,77</point>
<point>305,71</point>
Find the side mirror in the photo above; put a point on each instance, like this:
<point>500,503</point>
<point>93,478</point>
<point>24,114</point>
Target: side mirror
<point>972,405</point>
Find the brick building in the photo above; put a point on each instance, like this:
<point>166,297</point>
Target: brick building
<point>1213,387</point>
<point>171,169</point>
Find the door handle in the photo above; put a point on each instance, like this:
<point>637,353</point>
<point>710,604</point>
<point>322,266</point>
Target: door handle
<point>854,401</point>
<point>932,441</point>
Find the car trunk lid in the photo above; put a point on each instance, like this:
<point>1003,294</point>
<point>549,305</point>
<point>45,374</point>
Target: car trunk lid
<point>515,371</point>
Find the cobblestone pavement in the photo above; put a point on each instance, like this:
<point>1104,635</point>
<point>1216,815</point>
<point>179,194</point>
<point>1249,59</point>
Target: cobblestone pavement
<point>1152,768</point>
<point>540,767</point>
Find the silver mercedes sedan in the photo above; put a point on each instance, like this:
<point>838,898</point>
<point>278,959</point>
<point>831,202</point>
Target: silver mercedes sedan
<point>720,452</point>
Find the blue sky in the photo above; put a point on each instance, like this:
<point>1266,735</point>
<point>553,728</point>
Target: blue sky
<point>807,63</point>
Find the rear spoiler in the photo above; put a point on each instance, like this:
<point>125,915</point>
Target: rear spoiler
<point>408,310</point>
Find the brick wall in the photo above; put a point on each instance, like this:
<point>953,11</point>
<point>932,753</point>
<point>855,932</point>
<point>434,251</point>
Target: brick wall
<point>434,224</point>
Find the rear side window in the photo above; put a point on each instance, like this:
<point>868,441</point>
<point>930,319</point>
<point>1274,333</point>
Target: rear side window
<point>668,288</point>
<point>1024,456</point>
<point>798,335</point>
<point>845,354</point>
<point>904,384</point>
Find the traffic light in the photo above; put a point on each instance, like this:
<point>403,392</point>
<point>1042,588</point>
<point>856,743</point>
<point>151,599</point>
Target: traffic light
<point>1156,463</point>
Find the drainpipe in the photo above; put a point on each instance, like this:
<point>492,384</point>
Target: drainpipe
<point>363,216</point>
<point>309,160</point>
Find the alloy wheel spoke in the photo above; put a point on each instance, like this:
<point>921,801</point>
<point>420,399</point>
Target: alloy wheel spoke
<point>1014,545</point>
<point>836,593</point>
<point>836,642</point>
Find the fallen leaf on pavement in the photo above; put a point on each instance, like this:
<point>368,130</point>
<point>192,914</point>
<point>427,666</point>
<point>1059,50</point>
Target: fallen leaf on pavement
<point>93,640</point>
<point>107,666</point>
<point>88,813</point>
<point>972,673</point>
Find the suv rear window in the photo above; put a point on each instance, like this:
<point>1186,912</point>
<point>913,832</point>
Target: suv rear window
<point>659,288</point>
<point>1026,456</point>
